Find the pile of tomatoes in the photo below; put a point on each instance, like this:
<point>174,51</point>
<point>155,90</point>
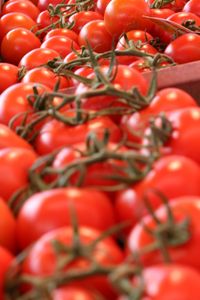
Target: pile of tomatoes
<point>99,171</point>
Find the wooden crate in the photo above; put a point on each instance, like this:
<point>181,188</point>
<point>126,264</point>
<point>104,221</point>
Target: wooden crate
<point>185,76</point>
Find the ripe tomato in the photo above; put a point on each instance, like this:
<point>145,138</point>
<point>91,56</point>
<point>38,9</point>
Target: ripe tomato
<point>45,76</point>
<point>43,4</point>
<point>81,18</point>
<point>182,17</point>
<point>14,20</point>
<point>73,293</point>
<point>45,19</point>
<point>170,282</point>
<point>8,75</point>
<point>55,134</point>
<point>14,166</point>
<point>192,6</point>
<point>169,176</point>
<point>101,6</point>
<point>185,48</point>
<point>19,41</point>
<point>125,79</point>
<point>38,57</point>
<point>96,35</point>
<point>7,227</point>
<point>61,44</point>
<point>6,259</point>
<point>181,208</point>
<point>49,210</point>
<point>122,16</point>
<point>106,254</point>
<point>8,138</point>
<point>186,126</point>
<point>62,32</point>
<point>22,6</point>
<point>14,101</point>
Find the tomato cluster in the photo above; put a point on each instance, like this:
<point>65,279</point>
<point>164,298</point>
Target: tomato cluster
<point>95,197</point>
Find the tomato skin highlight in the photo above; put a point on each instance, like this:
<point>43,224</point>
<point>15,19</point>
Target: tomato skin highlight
<point>8,75</point>
<point>23,6</point>
<point>49,210</point>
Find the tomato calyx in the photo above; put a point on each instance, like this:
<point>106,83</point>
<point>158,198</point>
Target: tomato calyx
<point>168,233</point>
<point>191,24</point>
<point>160,3</point>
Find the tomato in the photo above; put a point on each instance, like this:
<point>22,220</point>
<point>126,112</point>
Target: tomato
<point>122,16</point>
<point>135,36</point>
<point>174,282</point>
<point>19,41</point>
<point>96,35</point>
<point>73,293</point>
<point>13,100</point>
<point>6,259</point>
<point>106,253</point>
<point>101,6</point>
<point>46,77</point>
<point>38,57</point>
<point>43,4</point>
<point>125,79</point>
<point>8,138</point>
<point>55,134</point>
<point>44,20</point>
<point>7,227</point>
<point>192,6</point>
<point>49,210</point>
<point>175,5</point>
<point>61,44</point>
<point>185,48</point>
<point>182,17</point>
<point>14,20</point>
<point>14,166</point>
<point>22,6</point>
<point>183,141</point>
<point>181,208</point>
<point>62,32</point>
<point>83,71</point>
<point>8,75</point>
<point>81,18</point>
<point>140,65</point>
<point>170,176</point>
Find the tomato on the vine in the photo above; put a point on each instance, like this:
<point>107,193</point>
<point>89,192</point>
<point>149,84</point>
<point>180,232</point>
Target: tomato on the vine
<point>81,18</point>
<point>8,75</point>
<point>22,6</point>
<point>192,6</point>
<point>6,259</point>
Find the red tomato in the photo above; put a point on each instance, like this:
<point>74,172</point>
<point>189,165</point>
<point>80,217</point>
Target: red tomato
<point>62,32</point>
<point>5,261</point>
<point>43,4</point>
<point>8,138</point>
<point>106,253</point>
<point>8,75</point>
<point>18,41</point>
<point>169,282</point>
<point>101,6</point>
<point>22,6</point>
<point>185,48</point>
<point>186,129</point>
<point>14,100</point>
<point>38,57</point>
<point>181,208</point>
<point>96,35</point>
<point>55,134</point>
<point>170,176</point>
<point>81,18</point>
<point>73,293</point>
<point>45,19</point>
<point>49,210</point>
<point>182,17</point>
<point>14,20</point>
<point>7,227</point>
<point>125,79</point>
<point>61,44</point>
<point>122,16</point>
<point>46,77</point>
<point>175,5</point>
<point>192,6</point>
<point>14,166</point>
<point>83,71</point>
